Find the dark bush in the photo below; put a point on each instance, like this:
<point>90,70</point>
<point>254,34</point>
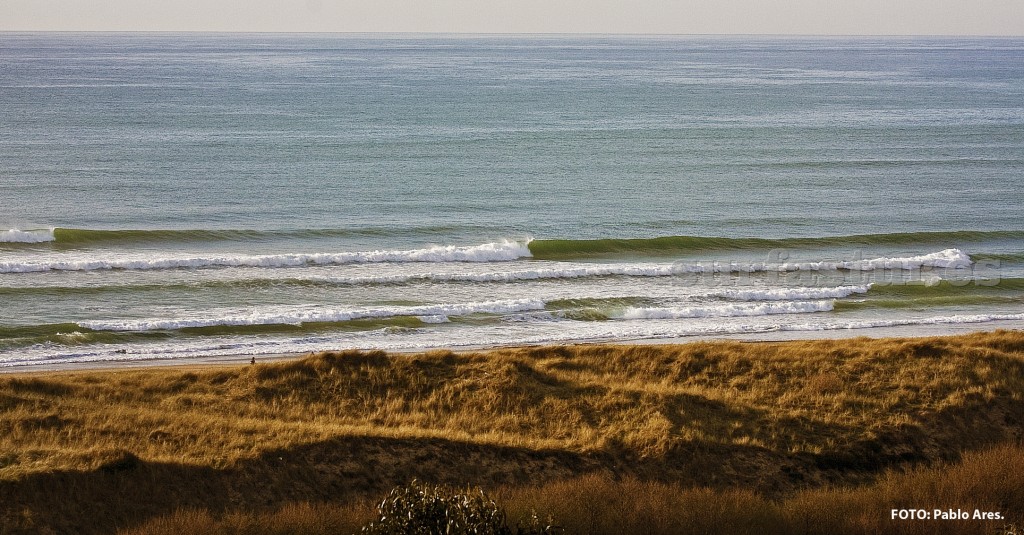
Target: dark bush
<point>420,509</point>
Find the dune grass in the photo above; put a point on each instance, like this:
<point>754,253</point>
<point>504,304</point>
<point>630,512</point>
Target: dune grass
<point>743,423</point>
<point>990,481</point>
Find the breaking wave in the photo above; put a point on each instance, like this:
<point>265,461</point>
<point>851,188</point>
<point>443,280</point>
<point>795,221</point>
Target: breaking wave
<point>505,251</point>
<point>488,252</point>
<point>26,236</point>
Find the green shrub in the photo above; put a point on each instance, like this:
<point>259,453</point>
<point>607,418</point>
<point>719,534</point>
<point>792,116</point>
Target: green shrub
<point>420,509</point>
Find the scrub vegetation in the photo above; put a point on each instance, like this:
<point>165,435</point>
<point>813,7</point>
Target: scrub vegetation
<point>731,437</point>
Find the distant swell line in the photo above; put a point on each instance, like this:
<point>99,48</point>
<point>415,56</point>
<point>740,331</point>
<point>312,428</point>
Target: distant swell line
<point>78,236</point>
<point>540,248</point>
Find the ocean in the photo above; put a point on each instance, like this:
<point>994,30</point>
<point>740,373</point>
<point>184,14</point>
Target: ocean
<point>176,196</point>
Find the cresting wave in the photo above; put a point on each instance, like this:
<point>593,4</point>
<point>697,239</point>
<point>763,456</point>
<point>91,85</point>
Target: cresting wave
<point>563,249</point>
<point>946,287</point>
<point>26,236</point>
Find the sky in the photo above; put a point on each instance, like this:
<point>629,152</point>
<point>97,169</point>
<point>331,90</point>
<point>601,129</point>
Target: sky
<point>793,17</point>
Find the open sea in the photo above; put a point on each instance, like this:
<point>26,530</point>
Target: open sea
<point>171,196</point>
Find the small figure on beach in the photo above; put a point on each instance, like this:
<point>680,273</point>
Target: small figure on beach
<point>253,361</point>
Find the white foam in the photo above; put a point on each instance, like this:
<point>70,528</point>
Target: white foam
<point>729,310</point>
<point>27,236</point>
<point>488,252</point>
<point>947,258</point>
<point>785,294</point>
<point>955,319</point>
<point>432,313</point>
<point>437,318</point>
<point>504,251</point>
<point>598,270</point>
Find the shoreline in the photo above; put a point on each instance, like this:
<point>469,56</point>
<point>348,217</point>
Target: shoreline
<point>878,333</point>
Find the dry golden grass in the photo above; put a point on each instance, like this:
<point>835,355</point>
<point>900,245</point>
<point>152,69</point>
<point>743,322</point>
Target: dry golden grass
<point>291,519</point>
<point>770,418</point>
<point>992,480</point>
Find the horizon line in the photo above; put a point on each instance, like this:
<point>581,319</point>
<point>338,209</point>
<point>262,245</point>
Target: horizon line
<point>515,34</point>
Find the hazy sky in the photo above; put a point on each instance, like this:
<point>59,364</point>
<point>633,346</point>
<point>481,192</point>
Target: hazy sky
<point>875,17</point>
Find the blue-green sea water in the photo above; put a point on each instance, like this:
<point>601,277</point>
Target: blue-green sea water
<point>168,196</point>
